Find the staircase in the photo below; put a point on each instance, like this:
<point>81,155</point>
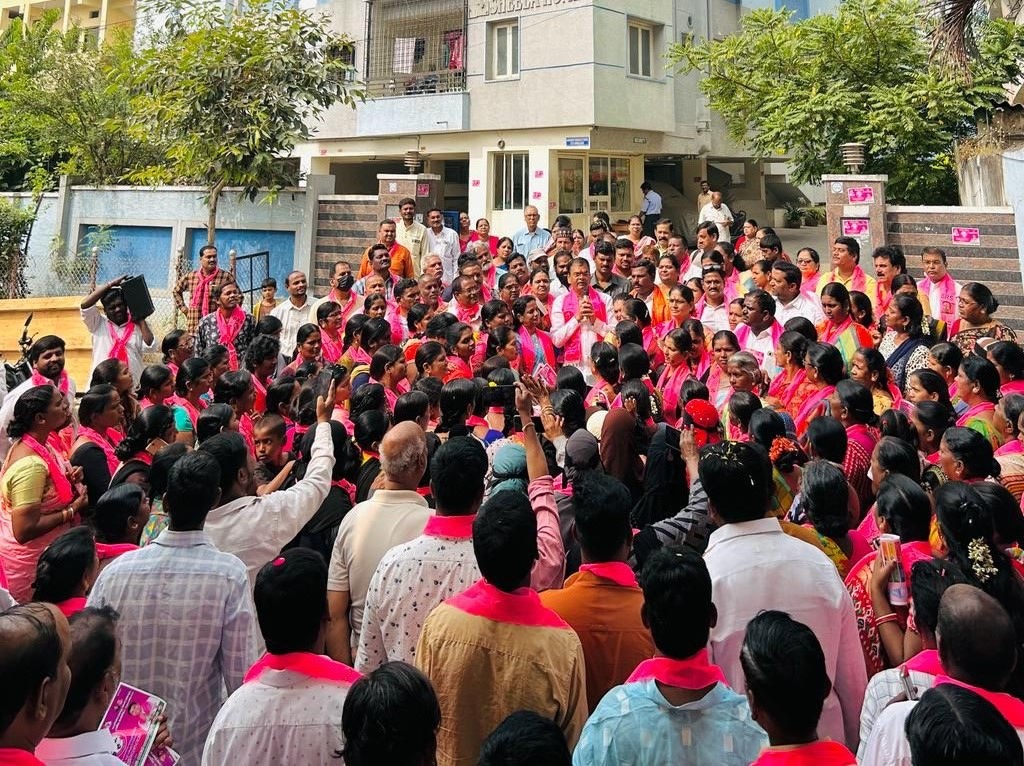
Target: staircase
<point>995,261</point>
<point>346,226</point>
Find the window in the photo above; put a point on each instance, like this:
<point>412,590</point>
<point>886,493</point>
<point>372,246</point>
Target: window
<point>608,183</point>
<point>570,185</point>
<point>503,59</point>
<point>620,183</point>
<point>511,171</point>
<point>640,43</point>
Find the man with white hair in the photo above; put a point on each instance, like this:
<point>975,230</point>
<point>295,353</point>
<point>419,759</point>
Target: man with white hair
<point>393,515</point>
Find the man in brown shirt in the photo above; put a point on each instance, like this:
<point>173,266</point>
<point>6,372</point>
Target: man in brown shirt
<point>494,649</point>
<point>602,601</point>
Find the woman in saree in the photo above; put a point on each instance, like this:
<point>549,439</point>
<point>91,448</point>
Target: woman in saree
<point>851,405</point>
<point>723,346</point>
<point>977,385</point>
<point>1011,455</point>
<point>975,307</point>
<point>823,366</point>
<point>782,390</point>
<point>839,327</point>
<point>676,347</point>
<point>535,346</point>
<point>39,498</point>
<point>902,345</point>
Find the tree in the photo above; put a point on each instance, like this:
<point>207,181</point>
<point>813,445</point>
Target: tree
<point>863,74</point>
<point>15,227</point>
<point>65,108</point>
<point>231,92</point>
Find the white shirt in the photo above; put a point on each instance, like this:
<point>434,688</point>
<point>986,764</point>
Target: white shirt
<point>719,215</point>
<point>7,410</point>
<point>445,244</point>
<point>715,318</point>
<point>754,565</point>
<point>373,527</point>
<point>409,582</point>
<point>102,344</point>
<point>651,204</point>
<point>255,529</point>
<point>93,748</point>
<point>763,346</point>
<point>188,628</point>
<point>935,294</point>
<point>292,318</point>
<point>882,688</point>
<point>283,717</point>
<point>562,331</point>
<point>803,305</point>
<point>414,239</point>
<point>692,269</point>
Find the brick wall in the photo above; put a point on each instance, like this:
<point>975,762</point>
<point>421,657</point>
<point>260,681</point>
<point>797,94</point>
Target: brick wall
<point>994,260</point>
<point>346,226</point>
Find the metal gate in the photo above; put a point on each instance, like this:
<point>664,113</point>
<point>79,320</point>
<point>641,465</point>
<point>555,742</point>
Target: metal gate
<point>250,271</point>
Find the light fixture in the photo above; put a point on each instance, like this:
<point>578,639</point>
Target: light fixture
<point>853,156</point>
<point>412,161</point>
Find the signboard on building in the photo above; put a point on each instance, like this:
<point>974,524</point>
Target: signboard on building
<point>964,236</point>
<point>577,142</point>
<point>502,7</point>
<point>859,229</point>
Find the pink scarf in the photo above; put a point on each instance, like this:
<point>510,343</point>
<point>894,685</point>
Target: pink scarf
<point>103,442</point>
<point>573,349</point>
<point>973,411</point>
<point>61,484</point>
<point>357,355</point>
<point>1013,387</point>
<point>830,330</point>
<point>1012,447</point>
<point>185,404</point>
<point>260,400</point>
<point>227,330</point>
<point>201,293</point>
<point>859,280</point>
<point>810,408</point>
<point>714,385</point>
<point>782,389</point>
<point>1011,707</point>
<point>618,572</point>
<point>329,347</point>
<point>119,350</point>
<point>694,672</point>
<point>62,382</point>
<point>107,551</point>
<point>526,350</point>
<point>247,429</point>
<point>744,335</point>
<point>316,666</point>
<point>454,527</point>
<point>520,607</point>
<point>947,297</point>
<point>467,314</point>
<point>926,661</point>
<point>670,383</point>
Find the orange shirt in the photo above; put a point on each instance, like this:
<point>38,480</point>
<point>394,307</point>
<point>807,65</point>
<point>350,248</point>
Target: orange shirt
<point>606,617</point>
<point>401,262</point>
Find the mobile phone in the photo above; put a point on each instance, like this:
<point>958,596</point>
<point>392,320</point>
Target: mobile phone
<point>672,438</point>
<point>338,373</point>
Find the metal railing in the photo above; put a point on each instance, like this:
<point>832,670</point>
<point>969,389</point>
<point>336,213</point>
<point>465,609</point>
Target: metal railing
<point>250,270</point>
<point>402,84</point>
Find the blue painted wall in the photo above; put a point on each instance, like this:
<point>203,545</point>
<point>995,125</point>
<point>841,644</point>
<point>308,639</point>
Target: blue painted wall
<point>135,250</point>
<point>281,245</point>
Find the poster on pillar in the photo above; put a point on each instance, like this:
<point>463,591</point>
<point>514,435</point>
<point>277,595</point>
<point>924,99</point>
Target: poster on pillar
<point>859,229</point>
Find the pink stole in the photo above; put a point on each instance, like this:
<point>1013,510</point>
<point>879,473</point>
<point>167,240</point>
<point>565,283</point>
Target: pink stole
<point>694,672</point>
<point>227,330</point>
<point>1011,707</point>
<point>974,411</point>
<point>1012,447</point>
<point>248,431</point>
<point>714,384</point>
<point>865,436</point>
<point>356,355</point>
<point>810,407</point>
<point>527,353</point>
<point>670,383</point>
<point>784,389</point>
<point>61,483</point>
<point>119,350</point>
<point>107,551</point>
<point>192,412</point>
<point>946,310</point>
<point>809,285</point>
<point>618,572</point>
<point>1013,387</point>
<point>454,527</point>
<point>467,314</point>
<point>62,382</point>
<point>520,607</point>
<point>329,347</point>
<point>573,349</point>
<point>926,661</point>
<point>317,666</point>
<point>830,331</point>
<point>71,606</point>
<point>201,291</point>
<point>103,442</point>
<point>461,369</point>
<point>260,400</point>
<point>859,280</point>
<point>744,334</point>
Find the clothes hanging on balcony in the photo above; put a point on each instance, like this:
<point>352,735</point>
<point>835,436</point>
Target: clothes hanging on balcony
<point>453,41</point>
<point>405,51</point>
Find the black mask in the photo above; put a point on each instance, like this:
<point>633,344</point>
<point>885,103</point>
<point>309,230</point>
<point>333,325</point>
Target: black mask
<point>345,282</point>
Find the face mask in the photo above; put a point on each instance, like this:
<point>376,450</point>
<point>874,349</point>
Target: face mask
<point>346,281</point>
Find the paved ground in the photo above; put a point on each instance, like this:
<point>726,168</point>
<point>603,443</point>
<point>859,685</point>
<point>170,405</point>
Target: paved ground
<point>806,236</point>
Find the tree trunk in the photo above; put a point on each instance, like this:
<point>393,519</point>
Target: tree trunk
<point>211,206</point>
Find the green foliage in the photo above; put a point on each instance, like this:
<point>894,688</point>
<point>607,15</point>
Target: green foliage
<point>15,226</point>
<point>231,92</point>
<point>64,108</point>
<point>863,74</point>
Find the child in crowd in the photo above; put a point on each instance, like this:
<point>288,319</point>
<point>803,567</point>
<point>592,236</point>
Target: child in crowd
<point>273,463</point>
<point>268,302</point>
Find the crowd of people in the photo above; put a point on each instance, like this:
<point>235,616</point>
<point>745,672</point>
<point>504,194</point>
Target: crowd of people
<point>559,497</point>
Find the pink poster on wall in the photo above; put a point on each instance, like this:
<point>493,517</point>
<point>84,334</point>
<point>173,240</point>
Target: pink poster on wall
<point>860,195</point>
<point>855,227</point>
<point>965,236</point>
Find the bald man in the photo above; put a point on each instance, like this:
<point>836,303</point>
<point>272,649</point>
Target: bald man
<point>393,515</point>
<point>981,660</point>
<point>35,642</point>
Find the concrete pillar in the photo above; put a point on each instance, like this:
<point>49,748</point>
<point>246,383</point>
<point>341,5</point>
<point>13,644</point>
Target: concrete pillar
<point>425,188</point>
<point>855,207</point>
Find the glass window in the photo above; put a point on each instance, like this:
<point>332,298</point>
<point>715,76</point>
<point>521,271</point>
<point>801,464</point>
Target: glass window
<point>570,185</point>
<point>598,177</point>
<point>504,42</point>
<point>639,44</point>
<point>511,171</point>
<point>620,184</point>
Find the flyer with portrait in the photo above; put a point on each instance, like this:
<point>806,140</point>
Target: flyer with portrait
<point>133,719</point>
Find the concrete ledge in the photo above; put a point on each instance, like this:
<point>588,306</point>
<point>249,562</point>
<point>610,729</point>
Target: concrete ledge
<point>57,316</point>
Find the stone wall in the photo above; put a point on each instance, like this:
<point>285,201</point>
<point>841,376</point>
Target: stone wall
<point>346,225</point>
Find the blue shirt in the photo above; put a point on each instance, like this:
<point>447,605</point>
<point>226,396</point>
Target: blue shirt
<point>634,724</point>
<point>524,242</point>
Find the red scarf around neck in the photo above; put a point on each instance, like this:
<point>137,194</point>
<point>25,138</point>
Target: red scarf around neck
<point>317,666</point>
<point>694,672</point>
<point>227,331</point>
<point>104,442</point>
<point>119,350</point>
<point>61,484</point>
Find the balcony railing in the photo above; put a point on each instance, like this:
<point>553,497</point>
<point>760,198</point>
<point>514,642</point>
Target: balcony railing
<point>418,84</point>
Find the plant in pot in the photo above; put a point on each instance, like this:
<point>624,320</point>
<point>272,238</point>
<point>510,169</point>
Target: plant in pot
<point>793,217</point>
<point>809,215</point>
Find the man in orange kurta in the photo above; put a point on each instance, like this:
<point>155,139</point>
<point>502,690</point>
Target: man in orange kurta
<point>602,601</point>
<point>401,258</point>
